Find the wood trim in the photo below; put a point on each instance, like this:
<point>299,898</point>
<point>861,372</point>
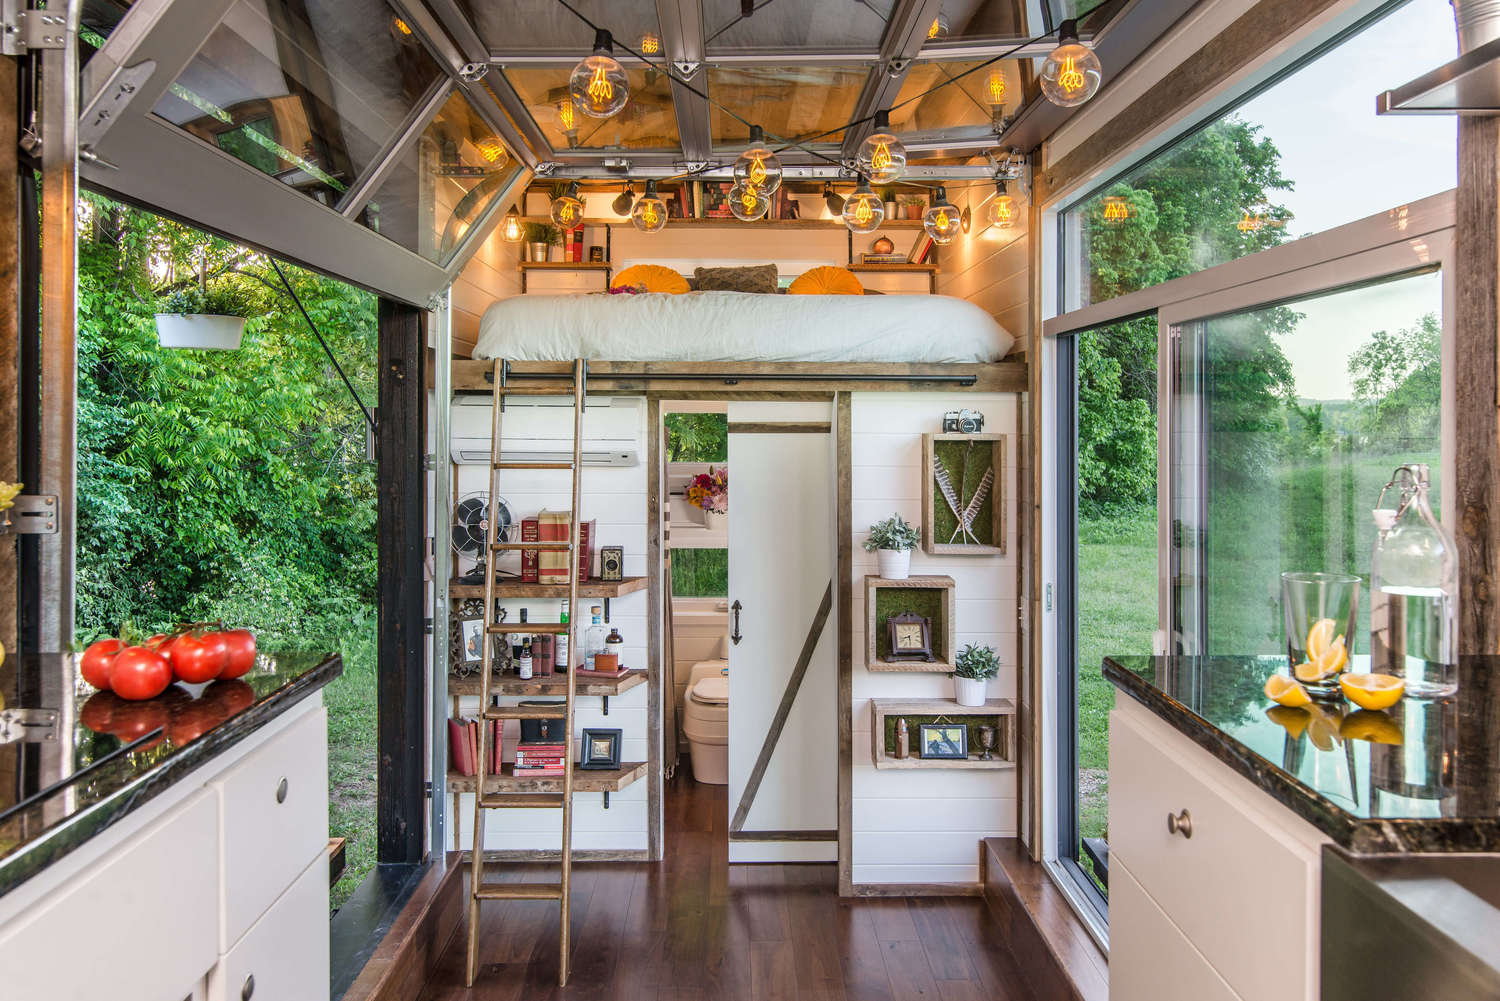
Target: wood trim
<point>917,890</point>
<point>408,953</point>
<point>1029,798</point>
<point>401,442</point>
<point>781,427</point>
<point>553,854</point>
<point>783,710</point>
<point>843,420</point>
<point>783,835</point>
<point>658,692</point>
<point>1025,623</point>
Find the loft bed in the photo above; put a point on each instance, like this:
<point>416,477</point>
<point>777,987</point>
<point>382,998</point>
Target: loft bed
<point>734,341</point>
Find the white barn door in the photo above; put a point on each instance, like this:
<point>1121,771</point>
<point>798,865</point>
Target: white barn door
<point>783,722</point>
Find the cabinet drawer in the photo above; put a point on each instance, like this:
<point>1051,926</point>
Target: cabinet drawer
<point>139,926</point>
<point>286,951</point>
<point>273,817</point>
<point>1149,957</point>
<point>1244,887</point>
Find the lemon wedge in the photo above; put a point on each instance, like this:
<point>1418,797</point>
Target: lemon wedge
<point>1330,661</point>
<point>1324,729</point>
<point>1372,691</point>
<point>1375,727</point>
<point>1318,638</point>
<point>1293,721</point>
<point>1284,691</point>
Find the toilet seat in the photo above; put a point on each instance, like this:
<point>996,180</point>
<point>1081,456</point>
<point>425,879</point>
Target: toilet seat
<point>712,691</point>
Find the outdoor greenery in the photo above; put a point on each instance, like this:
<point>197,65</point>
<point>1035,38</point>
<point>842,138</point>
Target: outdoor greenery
<point>230,485</point>
<point>219,299</point>
<point>698,573</point>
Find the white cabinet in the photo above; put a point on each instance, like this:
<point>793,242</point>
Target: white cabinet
<point>1148,956</point>
<point>284,955</point>
<point>1235,873</point>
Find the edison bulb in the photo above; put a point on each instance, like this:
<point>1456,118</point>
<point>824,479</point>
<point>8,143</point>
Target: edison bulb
<point>939,26</point>
<point>650,44</point>
<point>863,210</point>
<point>1002,212</point>
<point>493,151</point>
<point>758,166</point>
<point>747,202</point>
<point>512,231</point>
<point>1071,73</point>
<point>599,86</point>
<point>994,88</point>
<point>567,209</point>
<point>943,221</point>
<point>650,213</point>
<point>882,158</point>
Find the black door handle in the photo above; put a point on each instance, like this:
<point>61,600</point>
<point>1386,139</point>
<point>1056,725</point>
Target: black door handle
<point>734,633</point>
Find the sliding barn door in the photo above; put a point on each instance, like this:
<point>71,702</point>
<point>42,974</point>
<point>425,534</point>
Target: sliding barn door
<point>783,722</point>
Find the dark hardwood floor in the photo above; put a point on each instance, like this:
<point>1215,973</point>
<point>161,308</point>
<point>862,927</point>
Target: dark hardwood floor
<point>694,927</point>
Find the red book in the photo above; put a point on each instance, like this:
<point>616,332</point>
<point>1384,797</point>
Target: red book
<point>531,531</point>
<point>497,728</point>
<point>540,772</point>
<point>474,745</point>
<point>578,245</point>
<point>458,748</point>
<point>587,532</point>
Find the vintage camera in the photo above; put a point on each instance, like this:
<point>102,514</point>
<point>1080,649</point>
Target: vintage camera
<point>963,421</point>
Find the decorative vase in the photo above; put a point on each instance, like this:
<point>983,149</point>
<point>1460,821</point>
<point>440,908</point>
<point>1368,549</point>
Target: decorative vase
<point>891,210</point>
<point>968,691</point>
<point>895,564</point>
<point>199,330</point>
<point>715,521</point>
<point>538,252</point>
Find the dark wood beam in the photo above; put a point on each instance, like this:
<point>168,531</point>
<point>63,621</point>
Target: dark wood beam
<point>10,460</point>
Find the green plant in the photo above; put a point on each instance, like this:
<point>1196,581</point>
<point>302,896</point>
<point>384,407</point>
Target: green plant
<point>913,200</point>
<point>219,300</point>
<point>542,232</point>
<point>887,194</point>
<point>977,663</point>
<point>892,533</point>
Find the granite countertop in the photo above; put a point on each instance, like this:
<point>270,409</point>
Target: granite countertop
<point>1421,776</point>
<point>87,759</point>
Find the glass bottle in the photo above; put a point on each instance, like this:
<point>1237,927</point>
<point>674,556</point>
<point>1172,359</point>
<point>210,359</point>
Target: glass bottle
<point>560,645</point>
<point>593,642</point>
<point>1414,591</point>
<point>524,666</point>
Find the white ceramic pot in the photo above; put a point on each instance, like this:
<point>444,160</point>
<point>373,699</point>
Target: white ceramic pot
<point>968,691</point>
<point>895,564</point>
<point>716,521</point>
<point>200,330</point>
<point>892,210</point>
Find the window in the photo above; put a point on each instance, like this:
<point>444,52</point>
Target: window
<point>697,438</point>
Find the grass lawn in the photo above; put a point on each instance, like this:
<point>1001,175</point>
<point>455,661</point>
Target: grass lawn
<point>351,756</point>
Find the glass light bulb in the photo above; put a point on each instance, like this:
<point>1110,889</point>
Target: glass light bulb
<point>747,202</point>
<point>1116,209</point>
<point>567,211</point>
<point>1071,74</point>
<point>942,221</point>
<point>650,213</point>
<point>994,88</point>
<point>650,44</point>
<point>512,231</point>
<point>758,166</point>
<point>567,117</point>
<point>939,26</point>
<point>882,158</point>
<point>863,211</point>
<point>493,151</point>
<point>1003,212</point>
<point>599,86</point>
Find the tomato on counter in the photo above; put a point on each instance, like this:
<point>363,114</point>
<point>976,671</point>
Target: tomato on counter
<point>241,652</point>
<point>139,673</point>
<point>199,657</point>
<point>96,661</point>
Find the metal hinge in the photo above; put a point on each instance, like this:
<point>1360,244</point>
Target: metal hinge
<point>32,30</point>
<point>27,726</point>
<point>31,514</point>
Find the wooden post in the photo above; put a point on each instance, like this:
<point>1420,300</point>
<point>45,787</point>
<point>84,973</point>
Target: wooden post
<point>401,530</point>
<point>10,462</point>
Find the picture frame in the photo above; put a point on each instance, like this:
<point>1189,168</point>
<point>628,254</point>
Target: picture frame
<point>472,633</point>
<point>600,749</point>
<point>943,741</point>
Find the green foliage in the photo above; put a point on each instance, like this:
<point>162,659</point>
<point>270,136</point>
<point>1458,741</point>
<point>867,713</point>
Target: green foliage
<point>697,437</point>
<point>220,300</point>
<point>700,573</point>
<point>542,232</point>
<point>978,663</point>
<point>1398,383</point>
<point>892,533</point>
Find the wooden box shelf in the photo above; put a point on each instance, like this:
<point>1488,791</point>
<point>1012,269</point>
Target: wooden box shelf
<point>611,780</point>
<point>999,713</point>
<point>555,685</point>
<point>516,589</point>
<point>975,467</point>
<point>928,595</point>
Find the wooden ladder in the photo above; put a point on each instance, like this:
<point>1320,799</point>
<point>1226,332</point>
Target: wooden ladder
<point>485,800</point>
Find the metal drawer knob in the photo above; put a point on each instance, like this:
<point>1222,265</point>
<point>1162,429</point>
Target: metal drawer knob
<point>248,989</point>
<point>1180,823</point>
<point>281,790</point>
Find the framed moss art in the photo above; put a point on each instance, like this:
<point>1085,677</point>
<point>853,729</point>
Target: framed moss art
<point>963,494</point>
<point>928,598</point>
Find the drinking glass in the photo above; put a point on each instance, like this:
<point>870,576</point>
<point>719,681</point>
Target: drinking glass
<point>1329,601</point>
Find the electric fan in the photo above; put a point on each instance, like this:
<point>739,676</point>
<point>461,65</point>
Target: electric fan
<point>470,525</point>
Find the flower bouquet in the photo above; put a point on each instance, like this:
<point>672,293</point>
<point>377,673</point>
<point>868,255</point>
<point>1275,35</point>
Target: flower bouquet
<point>710,493</point>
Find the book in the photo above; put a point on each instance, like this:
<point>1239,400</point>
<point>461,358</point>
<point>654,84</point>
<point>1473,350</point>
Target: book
<point>585,673</point>
<point>883,259</point>
<point>552,565</point>
<point>530,532</point>
<point>458,748</point>
<point>921,249</point>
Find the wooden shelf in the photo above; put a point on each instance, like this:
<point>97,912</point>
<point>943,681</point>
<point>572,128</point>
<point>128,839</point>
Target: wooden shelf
<point>557,684</point>
<point>565,265</point>
<point>732,221</point>
<point>516,589</point>
<point>612,780</point>
<point>1001,711</point>
<point>919,269</point>
<point>943,623</point>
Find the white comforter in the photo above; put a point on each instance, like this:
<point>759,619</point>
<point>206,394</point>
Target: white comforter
<point>739,326</point>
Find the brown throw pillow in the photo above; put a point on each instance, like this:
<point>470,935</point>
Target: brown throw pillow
<point>759,278</point>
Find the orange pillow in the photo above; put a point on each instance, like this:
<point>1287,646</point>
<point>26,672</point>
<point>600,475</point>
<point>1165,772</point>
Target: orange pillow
<point>653,278</point>
<point>826,281</point>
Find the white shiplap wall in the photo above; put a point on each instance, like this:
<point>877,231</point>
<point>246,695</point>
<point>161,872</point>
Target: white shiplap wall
<point>924,825</point>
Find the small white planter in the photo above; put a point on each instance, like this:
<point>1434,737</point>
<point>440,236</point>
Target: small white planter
<point>968,691</point>
<point>716,521</point>
<point>200,330</point>
<point>895,564</point>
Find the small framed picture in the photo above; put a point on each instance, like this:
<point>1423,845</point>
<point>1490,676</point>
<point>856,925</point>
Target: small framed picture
<point>601,749</point>
<point>943,740</point>
<point>473,634</point>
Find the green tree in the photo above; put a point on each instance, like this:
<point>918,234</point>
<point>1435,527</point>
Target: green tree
<point>1398,383</point>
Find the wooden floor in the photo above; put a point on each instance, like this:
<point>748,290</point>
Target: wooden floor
<point>694,927</point>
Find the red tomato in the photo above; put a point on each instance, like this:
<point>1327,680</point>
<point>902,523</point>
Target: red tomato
<point>139,673</point>
<point>199,658</point>
<point>134,720</point>
<point>241,644</point>
<point>96,660</point>
<point>193,719</point>
<point>98,713</point>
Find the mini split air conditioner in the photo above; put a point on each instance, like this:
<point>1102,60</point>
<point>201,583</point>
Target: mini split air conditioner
<point>540,429</point>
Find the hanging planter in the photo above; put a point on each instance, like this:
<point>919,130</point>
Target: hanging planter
<point>206,319</point>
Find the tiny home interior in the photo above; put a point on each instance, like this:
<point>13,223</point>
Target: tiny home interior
<point>872,500</point>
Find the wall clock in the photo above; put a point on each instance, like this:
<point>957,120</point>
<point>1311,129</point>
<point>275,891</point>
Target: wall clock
<point>910,637</point>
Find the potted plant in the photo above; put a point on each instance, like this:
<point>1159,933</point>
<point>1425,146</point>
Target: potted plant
<point>709,492</point>
<point>892,541</point>
<point>975,666</point>
<point>915,205</point>
<point>540,236</point>
<point>888,196</point>
<point>202,317</point>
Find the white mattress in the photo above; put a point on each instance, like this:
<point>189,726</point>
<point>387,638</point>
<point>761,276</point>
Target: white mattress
<point>740,326</point>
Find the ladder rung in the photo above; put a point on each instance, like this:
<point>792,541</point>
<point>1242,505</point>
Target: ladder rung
<point>553,710</point>
<point>545,628</point>
<point>550,547</point>
<point>519,891</point>
<point>505,464</point>
<point>522,800</point>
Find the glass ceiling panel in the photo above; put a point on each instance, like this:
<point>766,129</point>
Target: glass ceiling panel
<point>960,100</point>
<point>546,25</point>
<point>307,91</point>
<point>788,101</point>
<point>96,22</point>
<point>994,18</point>
<point>443,184</point>
<point>647,122</point>
<point>796,24</point>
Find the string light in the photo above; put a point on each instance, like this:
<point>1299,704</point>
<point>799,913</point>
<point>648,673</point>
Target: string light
<point>863,211</point>
<point>747,202</point>
<point>882,158</point>
<point>650,44</point>
<point>1071,73</point>
<point>1002,211</point>
<point>623,200</point>
<point>493,151</point>
<point>939,26</point>
<point>1116,209</point>
<point>942,221</point>
<point>512,231</point>
<point>599,86</point>
<point>567,209</point>
<point>650,213</point>
<point>758,166</point>
<point>994,88</point>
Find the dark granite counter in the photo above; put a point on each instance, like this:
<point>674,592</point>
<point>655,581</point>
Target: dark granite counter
<point>1418,777</point>
<point>74,761</point>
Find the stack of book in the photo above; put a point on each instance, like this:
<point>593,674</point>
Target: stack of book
<point>882,259</point>
<point>463,745</point>
<point>551,566</point>
<point>539,758</point>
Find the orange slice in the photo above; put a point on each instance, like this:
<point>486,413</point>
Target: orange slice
<point>1375,727</point>
<point>1318,638</point>
<point>1372,691</point>
<point>1284,691</point>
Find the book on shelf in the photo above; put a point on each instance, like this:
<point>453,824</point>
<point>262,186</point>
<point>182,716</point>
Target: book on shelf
<point>584,672</point>
<point>921,250</point>
<point>531,531</point>
<point>883,259</point>
<point>463,745</point>
<point>556,526</point>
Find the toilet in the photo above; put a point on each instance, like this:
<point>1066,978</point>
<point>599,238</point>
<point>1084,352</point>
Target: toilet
<point>705,721</point>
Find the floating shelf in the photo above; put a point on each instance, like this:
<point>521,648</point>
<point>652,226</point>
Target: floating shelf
<point>921,269</point>
<point>954,451</point>
<point>556,684</point>
<point>612,780</point>
<point>1000,713</point>
<point>565,265</point>
<point>516,589</point>
<point>937,606</point>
